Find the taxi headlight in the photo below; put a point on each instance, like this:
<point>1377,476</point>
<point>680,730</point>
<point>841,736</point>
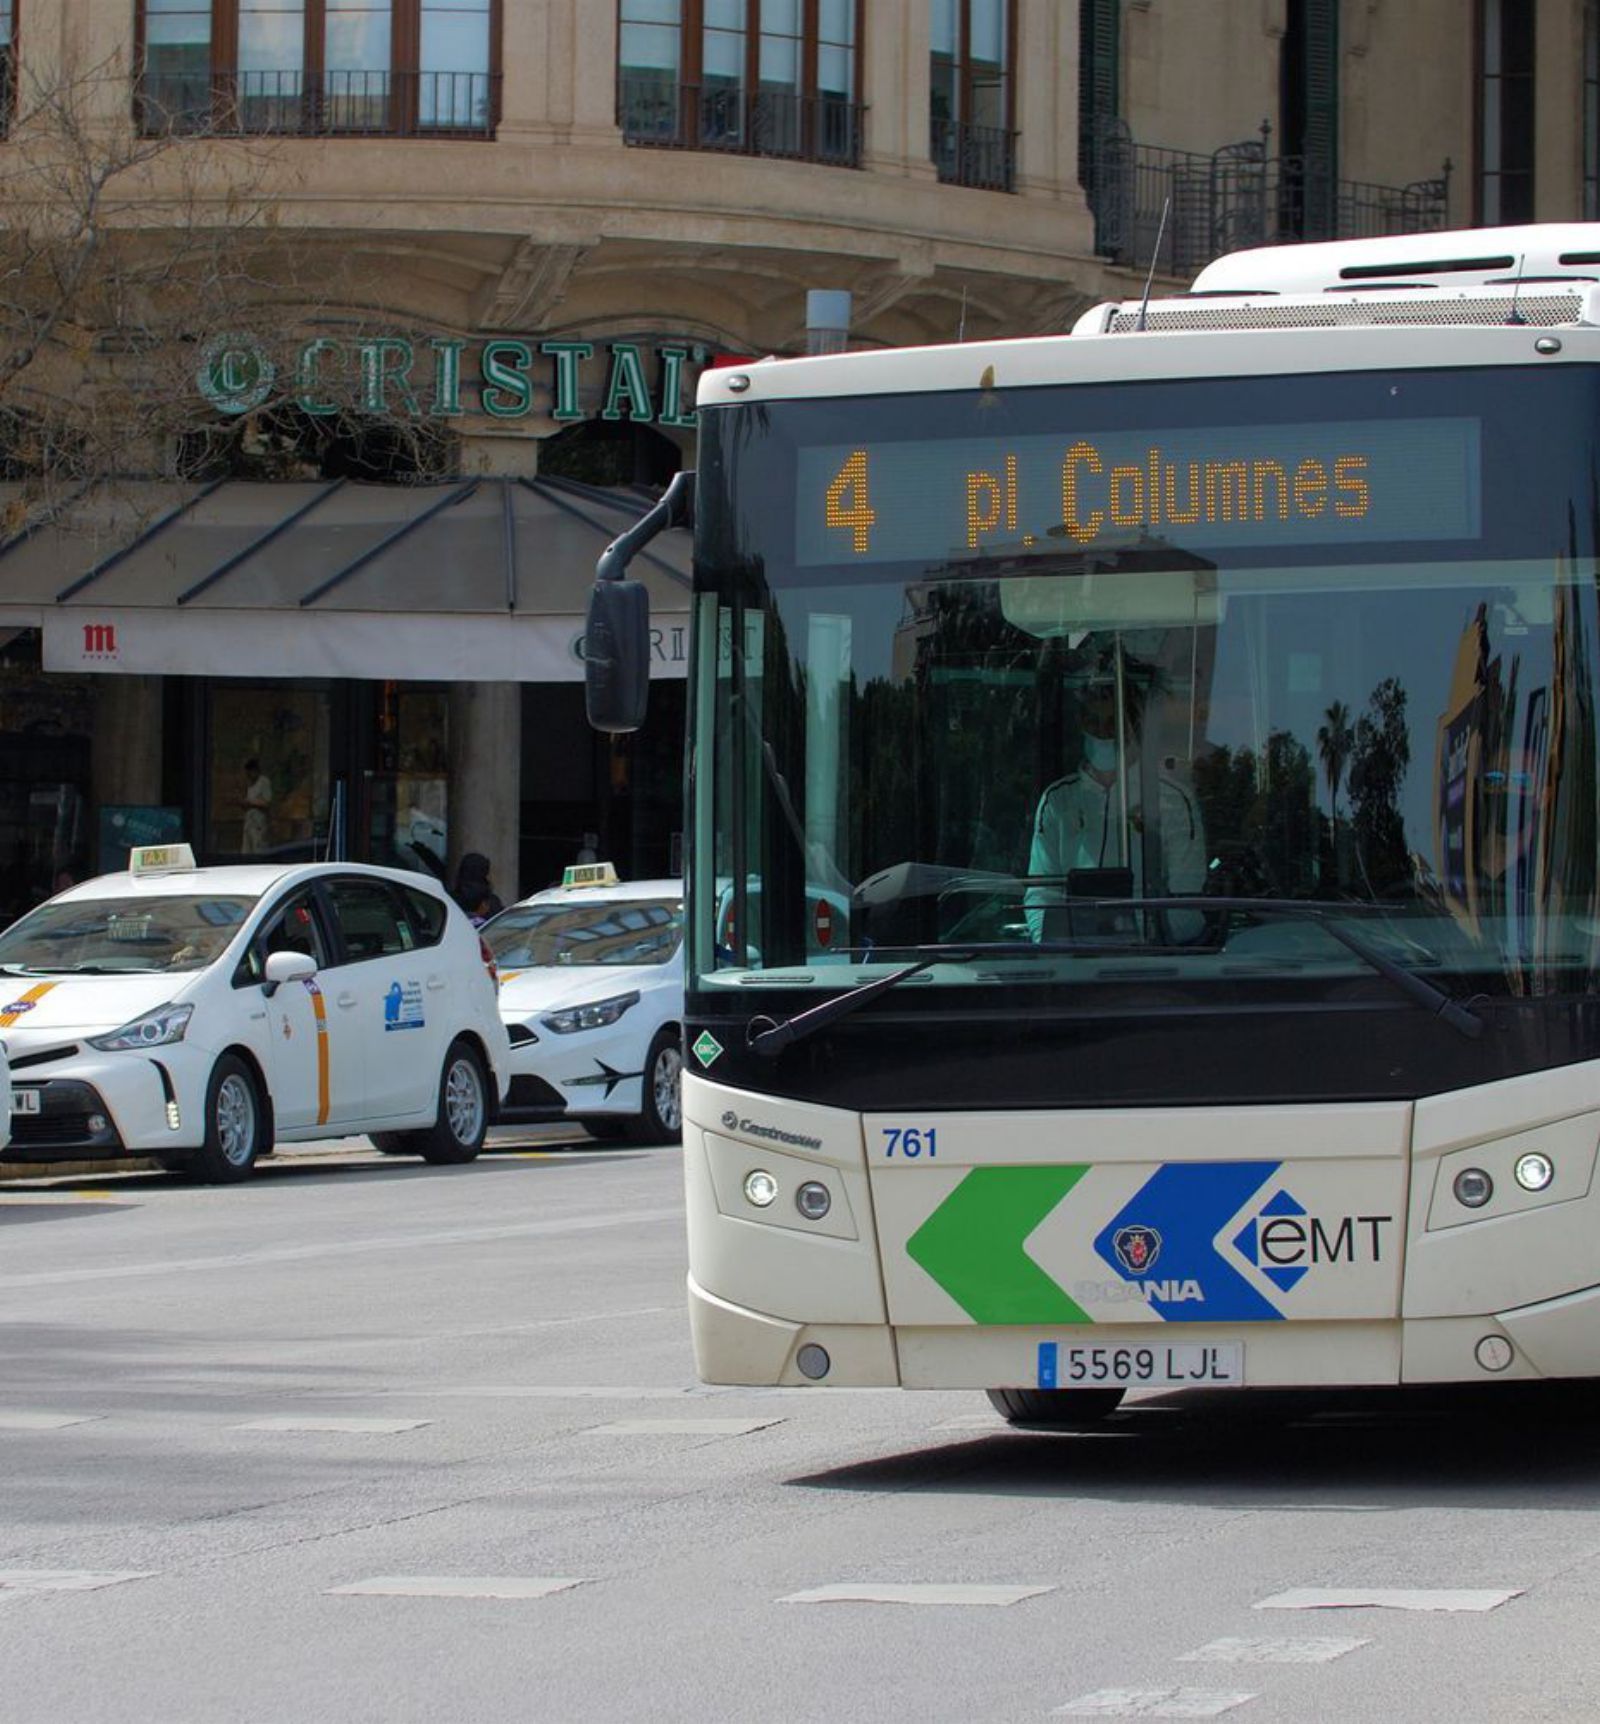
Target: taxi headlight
<point>154,1030</point>
<point>591,1017</point>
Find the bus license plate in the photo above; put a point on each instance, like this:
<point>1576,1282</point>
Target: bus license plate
<point>24,1101</point>
<point>1164,1365</point>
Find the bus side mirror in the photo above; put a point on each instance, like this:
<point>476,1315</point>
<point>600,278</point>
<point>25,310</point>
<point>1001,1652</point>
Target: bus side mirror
<point>616,639</point>
<point>616,655</point>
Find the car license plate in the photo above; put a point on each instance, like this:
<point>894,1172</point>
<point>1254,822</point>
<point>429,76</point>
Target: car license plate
<point>1161,1365</point>
<point>24,1101</point>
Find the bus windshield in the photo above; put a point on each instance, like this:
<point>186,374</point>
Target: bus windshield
<point>1009,673</point>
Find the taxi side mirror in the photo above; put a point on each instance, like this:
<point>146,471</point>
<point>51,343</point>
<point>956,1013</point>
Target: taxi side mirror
<point>284,967</point>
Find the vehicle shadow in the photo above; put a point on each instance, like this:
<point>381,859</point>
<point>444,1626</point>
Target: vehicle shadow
<point>503,1159</point>
<point>1495,1446</point>
<point>11,1212</point>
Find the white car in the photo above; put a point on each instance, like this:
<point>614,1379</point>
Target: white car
<point>591,990</point>
<point>198,1015</point>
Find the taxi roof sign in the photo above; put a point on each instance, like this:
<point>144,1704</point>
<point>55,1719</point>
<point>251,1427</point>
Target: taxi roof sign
<point>590,874</point>
<point>145,859</point>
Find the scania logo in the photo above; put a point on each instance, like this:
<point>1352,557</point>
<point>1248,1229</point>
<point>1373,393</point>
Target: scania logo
<point>768,1133</point>
<point>1137,1248</point>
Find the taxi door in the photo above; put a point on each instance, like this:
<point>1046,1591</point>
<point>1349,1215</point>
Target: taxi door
<point>313,1064</point>
<point>391,995</point>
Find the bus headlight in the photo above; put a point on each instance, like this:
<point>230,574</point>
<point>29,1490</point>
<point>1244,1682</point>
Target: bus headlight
<point>1534,1171</point>
<point>760,1188</point>
<point>813,1200</point>
<point>1473,1188</point>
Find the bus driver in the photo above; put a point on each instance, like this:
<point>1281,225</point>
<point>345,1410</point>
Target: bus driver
<point>1078,828</point>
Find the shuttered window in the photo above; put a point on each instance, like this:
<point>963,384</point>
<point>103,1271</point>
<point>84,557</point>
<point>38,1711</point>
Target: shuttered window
<point>1505,181</point>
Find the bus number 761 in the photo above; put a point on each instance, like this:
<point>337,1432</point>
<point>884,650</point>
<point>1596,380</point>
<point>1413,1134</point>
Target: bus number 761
<point>910,1142</point>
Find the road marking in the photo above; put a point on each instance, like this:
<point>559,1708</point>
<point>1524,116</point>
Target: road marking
<point>1387,1598</point>
<point>342,1248</point>
<point>681,1427</point>
<point>67,1579</point>
<point>870,1592</point>
<point>540,1392</point>
<point>45,1421</point>
<point>454,1586</point>
<point>1310,1650</point>
<point>346,1427</point>
<point>1153,1703</point>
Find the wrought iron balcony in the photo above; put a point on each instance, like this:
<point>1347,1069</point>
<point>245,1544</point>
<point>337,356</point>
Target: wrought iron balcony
<point>660,113</point>
<point>1236,197</point>
<point>981,156</point>
<point>324,104</point>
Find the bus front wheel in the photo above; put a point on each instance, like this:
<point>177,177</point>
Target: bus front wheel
<point>1055,1409</point>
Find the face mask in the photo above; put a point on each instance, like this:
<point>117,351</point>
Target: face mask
<point>1100,752</point>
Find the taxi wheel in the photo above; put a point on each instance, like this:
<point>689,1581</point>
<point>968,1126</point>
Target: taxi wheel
<point>463,1120</point>
<point>1055,1409</point>
<point>661,1120</point>
<point>233,1125</point>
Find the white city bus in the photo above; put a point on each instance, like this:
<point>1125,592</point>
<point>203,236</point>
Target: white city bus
<point>1158,769</point>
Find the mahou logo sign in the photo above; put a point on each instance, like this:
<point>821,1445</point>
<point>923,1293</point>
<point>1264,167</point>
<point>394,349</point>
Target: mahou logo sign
<point>100,641</point>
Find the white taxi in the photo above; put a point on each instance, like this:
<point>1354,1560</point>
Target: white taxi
<point>591,990</point>
<point>199,1015</point>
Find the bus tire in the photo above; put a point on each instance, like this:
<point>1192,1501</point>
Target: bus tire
<point>660,1119</point>
<point>1056,1409</point>
<point>235,1125</point>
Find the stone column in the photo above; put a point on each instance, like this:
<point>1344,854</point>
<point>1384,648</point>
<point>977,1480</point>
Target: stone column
<point>894,86</point>
<point>486,778</point>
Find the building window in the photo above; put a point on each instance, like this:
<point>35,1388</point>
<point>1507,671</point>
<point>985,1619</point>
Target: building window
<point>973,51</point>
<point>752,77</point>
<point>1308,120</point>
<point>385,67</point>
<point>1099,83</point>
<point>1505,111</point>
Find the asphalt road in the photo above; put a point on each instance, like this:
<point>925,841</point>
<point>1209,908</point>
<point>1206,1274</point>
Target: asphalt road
<point>249,1436</point>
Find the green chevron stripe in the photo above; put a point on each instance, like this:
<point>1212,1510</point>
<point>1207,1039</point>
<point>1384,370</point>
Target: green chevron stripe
<point>972,1245</point>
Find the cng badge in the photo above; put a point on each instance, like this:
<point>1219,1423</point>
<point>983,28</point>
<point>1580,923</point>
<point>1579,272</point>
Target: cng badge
<point>707,1049</point>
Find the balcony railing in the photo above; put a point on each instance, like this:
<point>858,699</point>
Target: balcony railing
<point>662,114</point>
<point>299,104</point>
<point>1234,198</point>
<point>981,156</point>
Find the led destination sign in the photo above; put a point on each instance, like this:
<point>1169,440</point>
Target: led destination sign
<point>1327,484</point>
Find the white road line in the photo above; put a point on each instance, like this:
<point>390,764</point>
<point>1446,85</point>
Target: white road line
<point>454,1586</point>
<point>681,1427</point>
<point>340,1248</point>
<point>346,1427</point>
<point>1309,1650</point>
<point>45,1421</point>
<point>67,1579</point>
<point>1387,1598</point>
<point>870,1592</point>
<point>1153,1703</point>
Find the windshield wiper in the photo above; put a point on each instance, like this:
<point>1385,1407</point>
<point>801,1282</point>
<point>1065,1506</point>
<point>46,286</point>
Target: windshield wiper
<point>770,1040</point>
<point>773,1036</point>
<point>1416,988</point>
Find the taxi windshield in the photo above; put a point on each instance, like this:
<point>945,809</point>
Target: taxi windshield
<point>618,931</point>
<point>132,935</point>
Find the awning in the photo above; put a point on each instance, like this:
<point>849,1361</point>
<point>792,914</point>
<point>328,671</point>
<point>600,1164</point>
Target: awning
<point>479,580</point>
